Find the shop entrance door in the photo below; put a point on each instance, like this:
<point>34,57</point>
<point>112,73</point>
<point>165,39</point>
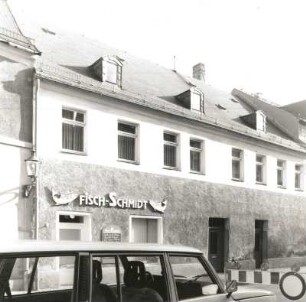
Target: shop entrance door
<point>261,242</point>
<point>146,229</point>
<point>217,242</point>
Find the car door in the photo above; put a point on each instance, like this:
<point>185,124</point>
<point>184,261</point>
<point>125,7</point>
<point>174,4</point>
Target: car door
<point>194,280</point>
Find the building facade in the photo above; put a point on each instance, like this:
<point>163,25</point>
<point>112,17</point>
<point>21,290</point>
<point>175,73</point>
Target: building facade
<point>131,151</point>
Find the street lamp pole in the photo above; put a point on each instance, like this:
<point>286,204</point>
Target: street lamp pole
<point>32,168</point>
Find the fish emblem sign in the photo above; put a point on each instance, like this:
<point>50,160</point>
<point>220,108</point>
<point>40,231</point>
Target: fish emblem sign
<point>158,206</point>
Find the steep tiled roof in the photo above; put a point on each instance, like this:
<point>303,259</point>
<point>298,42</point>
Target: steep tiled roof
<point>10,32</point>
<point>298,109</point>
<point>66,58</point>
<point>280,118</point>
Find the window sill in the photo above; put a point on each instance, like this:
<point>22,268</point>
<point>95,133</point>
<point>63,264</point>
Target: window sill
<point>171,168</point>
<point>128,161</point>
<point>237,179</point>
<point>197,172</point>
<point>282,187</point>
<point>82,153</point>
<point>299,190</point>
<point>261,183</point>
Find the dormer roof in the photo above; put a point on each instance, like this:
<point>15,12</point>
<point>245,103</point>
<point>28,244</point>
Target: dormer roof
<point>10,32</point>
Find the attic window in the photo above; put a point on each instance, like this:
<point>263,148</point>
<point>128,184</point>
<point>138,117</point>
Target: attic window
<point>221,107</point>
<point>256,120</point>
<point>192,99</point>
<point>197,102</point>
<point>111,72</point>
<point>260,121</point>
<point>109,69</point>
<point>234,100</point>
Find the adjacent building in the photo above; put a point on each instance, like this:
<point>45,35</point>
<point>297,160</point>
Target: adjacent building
<point>131,151</point>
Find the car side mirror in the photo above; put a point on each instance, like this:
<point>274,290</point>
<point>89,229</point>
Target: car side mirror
<point>231,287</point>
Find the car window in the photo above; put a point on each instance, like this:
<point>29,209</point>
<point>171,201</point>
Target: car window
<point>191,278</point>
<point>137,278</point>
<point>104,280</point>
<point>37,275</point>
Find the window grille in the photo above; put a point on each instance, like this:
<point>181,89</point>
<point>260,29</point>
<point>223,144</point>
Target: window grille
<point>73,124</point>
<point>237,164</point>
<point>170,150</point>
<point>280,173</point>
<point>127,135</point>
<point>195,155</point>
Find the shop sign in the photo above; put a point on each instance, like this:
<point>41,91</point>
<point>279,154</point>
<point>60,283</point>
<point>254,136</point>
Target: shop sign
<point>111,233</point>
<point>110,201</point>
<point>124,203</point>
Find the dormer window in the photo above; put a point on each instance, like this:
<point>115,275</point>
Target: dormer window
<point>192,99</point>
<point>109,69</point>
<point>260,121</point>
<point>256,120</point>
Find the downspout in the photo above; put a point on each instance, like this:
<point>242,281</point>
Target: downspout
<point>36,86</point>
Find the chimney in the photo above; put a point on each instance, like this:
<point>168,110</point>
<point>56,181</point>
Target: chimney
<point>199,72</point>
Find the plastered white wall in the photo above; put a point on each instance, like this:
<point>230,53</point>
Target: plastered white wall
<point>13,176</point>
<point>102,115</point>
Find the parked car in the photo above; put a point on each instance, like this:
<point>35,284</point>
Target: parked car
<point>49,271</point>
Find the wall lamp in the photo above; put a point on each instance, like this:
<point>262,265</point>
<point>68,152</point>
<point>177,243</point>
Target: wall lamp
<point>32,168</point>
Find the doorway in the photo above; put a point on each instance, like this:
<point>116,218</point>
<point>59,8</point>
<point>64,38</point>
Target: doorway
<point>218,242</point>
<point>261,242</point>
<point>146,229</point>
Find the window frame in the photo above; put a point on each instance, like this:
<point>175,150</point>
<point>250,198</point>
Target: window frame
<point>36,256</point>
<point>263,165</point>
<point>240,160</point>
<point>174,144</point>
<point>261,117</point>
<point>75,123</point>
<point>283,173</point>
<point>300,174</point>
<point>118,64</point>
<point>208,268</point>
<point>201,155</point>
<point>136,141</point>
<point>117,254</point>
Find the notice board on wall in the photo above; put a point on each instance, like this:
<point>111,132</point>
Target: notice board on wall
<point>111,234</point>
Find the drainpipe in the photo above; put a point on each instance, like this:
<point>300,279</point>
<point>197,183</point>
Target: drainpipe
<point>36,86</point>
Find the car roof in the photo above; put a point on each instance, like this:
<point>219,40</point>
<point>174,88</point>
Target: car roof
<point>33,246</point>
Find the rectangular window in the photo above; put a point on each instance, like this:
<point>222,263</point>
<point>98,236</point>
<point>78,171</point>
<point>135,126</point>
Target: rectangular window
<point>73,125</point>
<point>196,155</point>
<point>193,280</point>
<point>37,277</point>
<point>298,177</point>
<point>170,150</point>
<point>127,140</point>
<point>125,277</point>
<point>237,164</point>
<point>281,173</point>
<point>260,169</point>
<point>150,281</point>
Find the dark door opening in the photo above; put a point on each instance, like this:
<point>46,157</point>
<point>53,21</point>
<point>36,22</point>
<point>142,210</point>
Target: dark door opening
<point>261,242</point>
<point>217,242</point>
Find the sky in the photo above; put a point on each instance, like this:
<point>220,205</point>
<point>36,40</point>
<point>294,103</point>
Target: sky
<point>255,45</point>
